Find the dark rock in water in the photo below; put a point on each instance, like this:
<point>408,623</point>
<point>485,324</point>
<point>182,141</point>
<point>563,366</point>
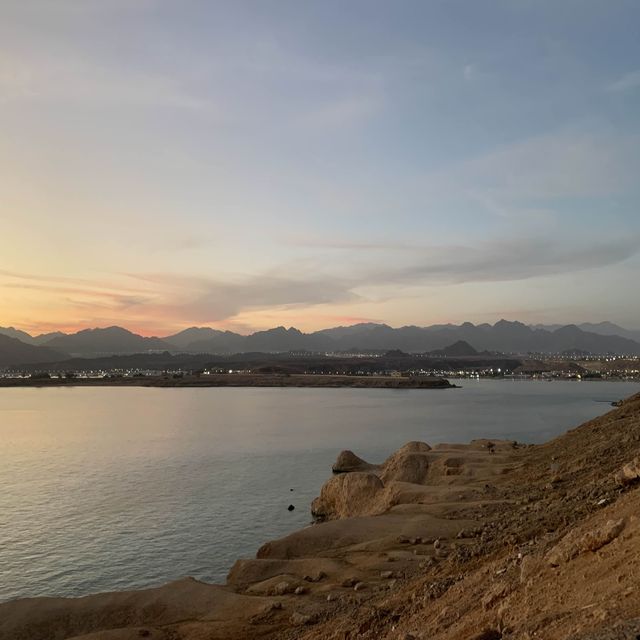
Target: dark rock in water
<point>290,507</point>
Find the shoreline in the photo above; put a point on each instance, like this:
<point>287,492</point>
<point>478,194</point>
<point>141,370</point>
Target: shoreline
<point>281,381</point>
<point>240,380</point>
<point>443,542</point>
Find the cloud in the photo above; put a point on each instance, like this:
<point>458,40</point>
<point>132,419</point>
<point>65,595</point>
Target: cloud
<point>198,299</point>
<point>343,111</point>
<point>73,80</point>
<point>561,164</point>
<point>352,245</point>
<point>203,300</point>
<point>627,82</point>
<point>180,299</point>
<point>512,260</point>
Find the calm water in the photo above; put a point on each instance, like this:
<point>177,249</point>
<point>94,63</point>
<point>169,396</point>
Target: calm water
<point>114,488</point>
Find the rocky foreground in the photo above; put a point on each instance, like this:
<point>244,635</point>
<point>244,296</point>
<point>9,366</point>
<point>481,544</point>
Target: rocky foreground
<point>482,541</point>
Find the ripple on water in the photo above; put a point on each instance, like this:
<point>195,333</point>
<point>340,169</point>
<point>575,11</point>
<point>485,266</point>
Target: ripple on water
<point>111,488</point>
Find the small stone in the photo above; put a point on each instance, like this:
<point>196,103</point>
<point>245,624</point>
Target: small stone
<point>282,588</point>
<point>321,575</point>
<point>275,606</point>
<point>386,575</point>
<point>437,544</point>
<point>349,582</point>
<point>301,619</point>
<point>403,540</point>
<point>300,591</point>
<point>359,586</point>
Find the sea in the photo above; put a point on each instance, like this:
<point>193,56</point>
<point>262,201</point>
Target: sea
<point>112,488</point>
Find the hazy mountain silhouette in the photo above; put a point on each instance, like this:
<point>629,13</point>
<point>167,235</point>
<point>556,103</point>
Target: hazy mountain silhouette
<point>610,329</point>
<point>344,332</point>
<point>111,340</point>
<point>23,336</point>
<point>194,335</point>
<point>215,342</point>
<point>504,337</point>
<point>16,352</point>
<point>43,338</point>
<point>601,328</point>
<point>458,349</point>
<point>18,334</point>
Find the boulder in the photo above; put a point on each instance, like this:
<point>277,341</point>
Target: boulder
<point>347,495</point>
<point>408,464</point>
<point>630,472</point>
<point>406,467</point>
<point>415,446</point>
<point>348,461</point>
<point>577,542</point>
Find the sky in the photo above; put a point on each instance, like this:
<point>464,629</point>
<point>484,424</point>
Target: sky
<point>243,165</point>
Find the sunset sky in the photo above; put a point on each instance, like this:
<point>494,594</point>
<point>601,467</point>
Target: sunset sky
<point>246,164</point>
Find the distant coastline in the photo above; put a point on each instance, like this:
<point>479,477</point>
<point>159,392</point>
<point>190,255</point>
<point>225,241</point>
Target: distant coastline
<point>239,380</point>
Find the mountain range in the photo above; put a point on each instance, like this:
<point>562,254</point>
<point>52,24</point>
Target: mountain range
<point>601,328</point>
<point>16,352</point>
<point>502,337</point>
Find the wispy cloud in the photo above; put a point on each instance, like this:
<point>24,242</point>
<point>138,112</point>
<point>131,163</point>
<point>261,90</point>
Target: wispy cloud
<point>343,111</point>
<point>186,299</point>
<point>341,244</point>
<point>559,164</point>
<point>515,259</point>
<point>627,82</point>
<point>72,80</point>
<point>203,300</point>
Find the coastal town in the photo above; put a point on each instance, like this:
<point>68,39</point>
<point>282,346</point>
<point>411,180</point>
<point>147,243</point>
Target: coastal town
<point>391,365</point>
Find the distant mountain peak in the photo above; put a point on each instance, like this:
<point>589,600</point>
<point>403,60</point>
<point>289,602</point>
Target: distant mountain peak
<point>460,348</point>
<point>509,323</point>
